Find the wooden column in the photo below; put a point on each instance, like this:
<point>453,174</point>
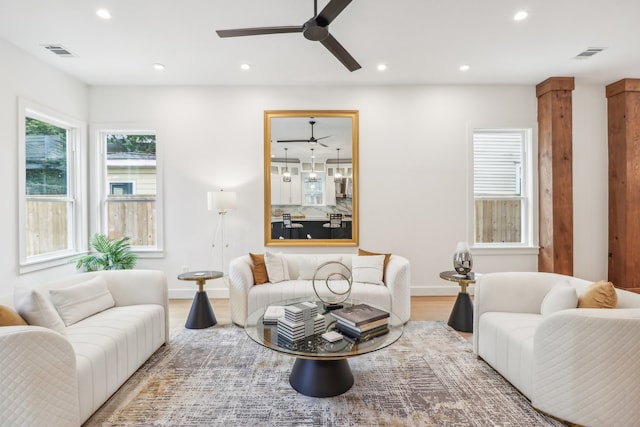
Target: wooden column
<point>623,115</point>
<point>555,135</point>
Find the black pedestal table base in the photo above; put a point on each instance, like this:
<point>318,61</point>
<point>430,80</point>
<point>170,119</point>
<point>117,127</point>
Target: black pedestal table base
<point>321,378</point>
<point>201,314</point>
<point>461,318</point>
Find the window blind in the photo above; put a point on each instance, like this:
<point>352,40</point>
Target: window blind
<point>497,162</point>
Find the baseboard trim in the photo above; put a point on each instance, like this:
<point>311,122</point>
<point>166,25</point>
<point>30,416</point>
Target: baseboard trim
<point>416,291</point>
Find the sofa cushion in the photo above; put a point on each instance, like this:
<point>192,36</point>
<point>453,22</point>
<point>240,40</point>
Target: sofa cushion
<point>601,294</point>
<point>368,269</point>
<point>277,268</point>
<point>80,301</point>
<point>9,317</point>
<point>507,345</point>
<point>259,269</point>
<point>36,309</point>
<point>110,346</point>
<point>387,257</point>
<point>561,297</point>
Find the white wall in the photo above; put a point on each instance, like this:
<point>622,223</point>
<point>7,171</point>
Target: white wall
<point>414,156</point>
<point>23,76</point>
<point>414,152</point>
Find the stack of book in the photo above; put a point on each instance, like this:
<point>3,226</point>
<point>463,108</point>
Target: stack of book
<point>300,321</point>
<point>361,322</point>
<point>272,314</point>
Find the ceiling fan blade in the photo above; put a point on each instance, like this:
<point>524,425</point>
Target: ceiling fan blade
<point>324,145</point>
<point>258,31</point>
<point>292,140</point>
<point>341,53</point>
<point>331,11</point>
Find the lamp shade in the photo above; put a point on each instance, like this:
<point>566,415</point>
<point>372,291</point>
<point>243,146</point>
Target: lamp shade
<point>221,200</point>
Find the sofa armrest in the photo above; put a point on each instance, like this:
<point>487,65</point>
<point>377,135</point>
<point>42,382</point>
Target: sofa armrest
<point>585,366</point>
<point>240,282</point>
<point>38,382</point>
<point>398,280</point>
<point>510,292</point>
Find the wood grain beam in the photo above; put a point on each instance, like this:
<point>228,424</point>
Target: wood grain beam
<point>555,175</point>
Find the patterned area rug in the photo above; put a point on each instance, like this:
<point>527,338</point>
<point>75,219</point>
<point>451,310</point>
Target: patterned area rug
<point>220,377</point>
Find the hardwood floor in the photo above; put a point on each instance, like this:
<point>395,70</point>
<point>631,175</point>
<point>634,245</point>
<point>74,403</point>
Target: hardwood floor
<point>422,308</point>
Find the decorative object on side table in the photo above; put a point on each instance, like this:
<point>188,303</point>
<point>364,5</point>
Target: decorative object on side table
<point>337,279</point>
<point>462,259</point>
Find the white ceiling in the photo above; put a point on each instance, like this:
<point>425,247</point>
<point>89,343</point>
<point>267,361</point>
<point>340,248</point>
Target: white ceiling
<point>421,41</point>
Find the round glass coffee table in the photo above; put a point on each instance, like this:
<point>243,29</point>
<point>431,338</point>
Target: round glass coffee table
<point>321,368</point>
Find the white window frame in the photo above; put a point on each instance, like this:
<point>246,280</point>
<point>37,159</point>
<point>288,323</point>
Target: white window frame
<point>76,191</point>
<point>100,184</point>
<point>529,227</point>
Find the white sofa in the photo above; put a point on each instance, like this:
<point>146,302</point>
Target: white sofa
<point>245,297</point>
<point>579,365</point>
<point>50,378</point>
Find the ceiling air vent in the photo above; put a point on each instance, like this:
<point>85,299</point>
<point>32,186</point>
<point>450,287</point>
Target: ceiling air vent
<point>59,50</point>
<point>589,52</point>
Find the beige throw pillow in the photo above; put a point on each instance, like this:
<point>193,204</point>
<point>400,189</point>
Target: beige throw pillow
<point>277,267</point>
<point>562,296</point>
<point>37,309</point>
<point>367,269</point>
<point>80,301</point>
<point>387,257</point>
<point>601,294</point>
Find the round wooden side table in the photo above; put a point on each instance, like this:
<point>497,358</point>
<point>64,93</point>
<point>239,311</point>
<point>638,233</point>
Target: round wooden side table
<point>201,314</point>
<point>461,318</point>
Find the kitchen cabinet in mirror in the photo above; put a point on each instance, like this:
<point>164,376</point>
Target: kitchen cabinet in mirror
<point>311,177</point>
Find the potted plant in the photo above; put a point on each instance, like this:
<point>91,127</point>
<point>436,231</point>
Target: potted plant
<point>112,254</point>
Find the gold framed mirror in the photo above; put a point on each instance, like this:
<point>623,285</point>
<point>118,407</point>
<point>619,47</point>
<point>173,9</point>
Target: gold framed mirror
<point>311,177</point>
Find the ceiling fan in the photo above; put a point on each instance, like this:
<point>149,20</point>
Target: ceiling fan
<point>312,140</point>
<point>315,29</point>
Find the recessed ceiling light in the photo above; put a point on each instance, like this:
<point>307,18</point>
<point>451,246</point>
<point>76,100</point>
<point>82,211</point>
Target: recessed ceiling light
<point>520,15</point>
<point>382,67</point>
<point>103,13</point>
<point>464,67</point>
<point>245,66</point>
<point>158,66</point>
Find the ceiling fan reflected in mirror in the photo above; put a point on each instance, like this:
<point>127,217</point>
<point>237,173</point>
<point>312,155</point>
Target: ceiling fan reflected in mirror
<point>311,140</point>
<point>315,29</point>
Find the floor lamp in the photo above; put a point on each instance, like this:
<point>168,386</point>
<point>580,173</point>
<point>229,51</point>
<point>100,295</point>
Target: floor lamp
<point>222,201</point>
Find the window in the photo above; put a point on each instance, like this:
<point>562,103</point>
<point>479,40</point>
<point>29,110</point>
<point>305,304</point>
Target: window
<point>51,213</point>
<point>130,188</point>
<point>502,187</point>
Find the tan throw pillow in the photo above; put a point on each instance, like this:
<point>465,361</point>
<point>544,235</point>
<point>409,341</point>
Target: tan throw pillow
<point>362,252</point>
<point>599,295</point>
<point>9,317</point>
<point>259,269</point>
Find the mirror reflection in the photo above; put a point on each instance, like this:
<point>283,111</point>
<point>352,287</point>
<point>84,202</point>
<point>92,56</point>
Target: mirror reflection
<point>310,177</point>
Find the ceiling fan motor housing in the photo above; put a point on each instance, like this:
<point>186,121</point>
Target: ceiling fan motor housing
<point>314,32</point>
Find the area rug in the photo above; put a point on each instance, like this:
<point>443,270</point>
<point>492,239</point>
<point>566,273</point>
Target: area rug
<point>220,377</point>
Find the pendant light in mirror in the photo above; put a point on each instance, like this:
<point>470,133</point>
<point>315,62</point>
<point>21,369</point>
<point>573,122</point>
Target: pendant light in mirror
<point>312,175</point>
<point>286,175</point>
<point>337,177</point>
